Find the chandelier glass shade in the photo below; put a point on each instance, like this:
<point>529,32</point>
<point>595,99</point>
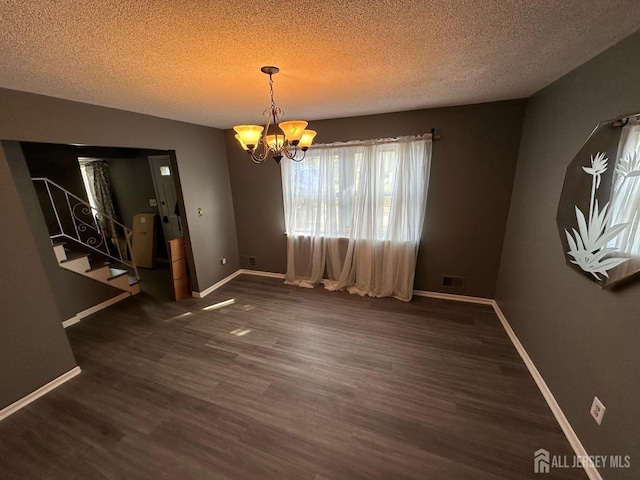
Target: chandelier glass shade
<point>276,139</point>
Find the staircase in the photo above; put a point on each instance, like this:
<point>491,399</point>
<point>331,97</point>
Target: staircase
<point>85,241</point>
<point>103,272</point>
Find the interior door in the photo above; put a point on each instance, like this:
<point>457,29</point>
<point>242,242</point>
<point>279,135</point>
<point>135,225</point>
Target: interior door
<point>163,181</point>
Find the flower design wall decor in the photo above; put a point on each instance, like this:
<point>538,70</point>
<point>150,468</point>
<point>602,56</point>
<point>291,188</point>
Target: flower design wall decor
<point>589,245</point>
<point>599,211</point>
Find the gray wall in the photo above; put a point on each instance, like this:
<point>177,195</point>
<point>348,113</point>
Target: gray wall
<point>471,179</point>
<point>200,154</point>
<point>33,347</point>
<point>58,163</point>
<point>585,341</point>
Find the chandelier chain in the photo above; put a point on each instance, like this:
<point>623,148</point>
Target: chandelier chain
<point>273,102</point>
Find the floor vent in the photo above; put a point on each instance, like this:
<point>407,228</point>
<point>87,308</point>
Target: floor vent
<point>451,281</point>
<point>249,261</point>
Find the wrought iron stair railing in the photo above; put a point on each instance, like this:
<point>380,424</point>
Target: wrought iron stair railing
<point>68,216</point>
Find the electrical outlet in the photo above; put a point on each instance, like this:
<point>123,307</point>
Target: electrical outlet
<point>597,410</point>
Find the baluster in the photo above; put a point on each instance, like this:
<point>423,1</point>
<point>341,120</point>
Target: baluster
<point>98,220</point>
<point>73,216</point>
<point>53,205</point>
<point>127,234</point>
<point>115,240</point>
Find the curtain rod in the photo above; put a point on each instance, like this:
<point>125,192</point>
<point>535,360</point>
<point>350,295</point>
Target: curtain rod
<point>378,141</point>
<point>622,121</point>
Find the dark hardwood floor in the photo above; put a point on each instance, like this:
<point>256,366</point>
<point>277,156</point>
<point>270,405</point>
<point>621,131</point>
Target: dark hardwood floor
<point>287,383</point>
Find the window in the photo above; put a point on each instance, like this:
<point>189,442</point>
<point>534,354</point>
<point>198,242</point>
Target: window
<point>364,190</point>
<point>355,211</point>
<point>625,192</point>
<point>88,182</point>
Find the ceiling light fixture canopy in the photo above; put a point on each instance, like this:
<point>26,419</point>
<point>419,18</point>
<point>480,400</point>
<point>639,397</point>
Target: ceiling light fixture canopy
<point>276,139</point>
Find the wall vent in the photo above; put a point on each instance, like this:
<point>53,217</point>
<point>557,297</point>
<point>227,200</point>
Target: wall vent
<point>451,281</point>
<point>249,261</point>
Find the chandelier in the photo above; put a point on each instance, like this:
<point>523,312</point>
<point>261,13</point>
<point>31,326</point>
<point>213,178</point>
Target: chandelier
<point>276,139</point>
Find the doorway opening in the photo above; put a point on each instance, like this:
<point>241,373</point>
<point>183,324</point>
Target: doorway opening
<point>139,202</point>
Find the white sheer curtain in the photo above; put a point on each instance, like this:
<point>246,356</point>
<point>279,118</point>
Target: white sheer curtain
<point>625,194</point>
<point>354,214</point>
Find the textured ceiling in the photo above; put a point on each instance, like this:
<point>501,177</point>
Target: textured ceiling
<point>199,61</point>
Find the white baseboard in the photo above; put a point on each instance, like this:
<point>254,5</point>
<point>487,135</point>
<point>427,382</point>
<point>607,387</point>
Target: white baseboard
<point>216,286</point>
<point>242,271</point>
<point>562,420</point>
<point>451,296</point>
<point>260,273</point>
<point>23,402</point>
<point>96,308</point>
<point>71,321</point>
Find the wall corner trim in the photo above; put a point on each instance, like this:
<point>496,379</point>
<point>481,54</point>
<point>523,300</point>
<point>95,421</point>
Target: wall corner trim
<point>96,308</point>
<point>43,390</point>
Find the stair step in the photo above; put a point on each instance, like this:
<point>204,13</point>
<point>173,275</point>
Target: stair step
<point>98,267</point>
<point>99,270</point>
<point>135,288</point>
<point>122,280</point>
<point>59,252</point>
<point>116,272</point>
<point>74,262</point>
<point>74,256</point>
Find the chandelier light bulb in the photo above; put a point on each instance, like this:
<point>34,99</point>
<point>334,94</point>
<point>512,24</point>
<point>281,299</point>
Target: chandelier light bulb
<point>306,139</point>
<point>248,135</point>
<point>293,130</point>
<point>275,142</point>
